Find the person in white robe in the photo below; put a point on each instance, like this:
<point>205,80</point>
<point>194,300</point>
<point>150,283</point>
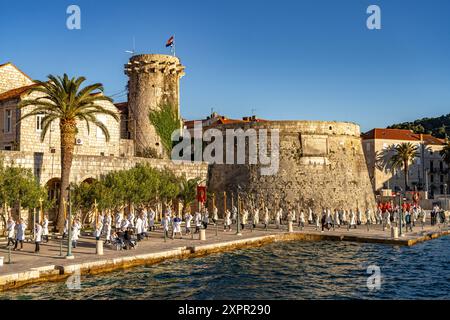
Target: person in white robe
<point>337,221</point>
<point>329,220</point>
<point>107,225</point>
<point>125,224</point>
<point>301,219</point>
<point>387,219</point>
<point>131,219</point>
<point>310,216</point>
<point>165,225</point>
<point>205,218</point>
<point>98,230</point>
<point>10,231</point>
<point>352,223</point>
<point>197,221</point>
<point>76,227</point>
<point>45,228</point>
<point>423,217</point>
<point>278,216</point>
<point>227,221</point>
<point>344,217</point>
<point>234,214</point>
<point>188,219</point>
<point>176,227</point>
<point>318,220</point>
<point>215,217</point>
<point>37,237</point>
<point>118,220</point>
<point>255,217</point>
<point>66,228</point>
<point>151,217</point>
<point>359,220</point>
<point>20,234</point>
<point>139,227</point>
<point>244,218</point>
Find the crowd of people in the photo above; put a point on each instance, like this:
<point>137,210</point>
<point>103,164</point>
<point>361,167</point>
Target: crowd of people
<point>126,231</point>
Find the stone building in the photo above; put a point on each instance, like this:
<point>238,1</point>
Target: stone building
<point>428,172</point>
<point>321,164</point>
<point>21,145</point>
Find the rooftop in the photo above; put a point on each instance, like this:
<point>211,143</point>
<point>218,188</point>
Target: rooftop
<point>401,134</point>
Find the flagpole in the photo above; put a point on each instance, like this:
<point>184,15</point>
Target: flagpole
<point>174,54</point>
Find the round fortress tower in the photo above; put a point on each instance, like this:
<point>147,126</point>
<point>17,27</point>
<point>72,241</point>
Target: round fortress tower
<point>153,84</point>
<point>321,165</point>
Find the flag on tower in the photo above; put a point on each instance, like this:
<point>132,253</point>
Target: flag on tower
<point>170,42</point>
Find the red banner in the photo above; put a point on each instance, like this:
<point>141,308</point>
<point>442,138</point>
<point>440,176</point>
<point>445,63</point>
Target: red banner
<point>201,194</point>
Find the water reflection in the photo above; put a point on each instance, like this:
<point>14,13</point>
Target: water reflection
<point>292,270</point>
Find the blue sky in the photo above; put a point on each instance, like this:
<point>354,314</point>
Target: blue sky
<point>310,59</point>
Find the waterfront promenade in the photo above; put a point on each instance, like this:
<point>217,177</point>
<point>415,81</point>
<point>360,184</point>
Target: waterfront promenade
<point>28,267</point>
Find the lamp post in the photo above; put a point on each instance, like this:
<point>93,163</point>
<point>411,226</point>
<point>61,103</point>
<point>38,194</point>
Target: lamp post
<point>401,212</point>
<point>446,203</point>
<point>41,211</point>
<point>238,231</point>
<point>69,231</point>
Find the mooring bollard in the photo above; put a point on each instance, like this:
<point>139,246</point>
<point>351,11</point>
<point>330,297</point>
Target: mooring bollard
<point>1,261</point>
<point>394,232</point>
<point>202,234</point>
<point>99,248</point>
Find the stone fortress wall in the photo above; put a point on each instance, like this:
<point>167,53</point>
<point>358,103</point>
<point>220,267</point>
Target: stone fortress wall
<point>321,164</point>
<point>47,166</point>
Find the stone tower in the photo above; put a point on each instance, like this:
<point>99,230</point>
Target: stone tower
<point>153,83</point>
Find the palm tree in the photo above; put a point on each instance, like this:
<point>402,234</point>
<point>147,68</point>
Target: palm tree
<point>63,100</point>
<point>188,191</point>
<point>405,154</point>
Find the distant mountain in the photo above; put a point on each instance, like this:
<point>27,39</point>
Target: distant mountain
<point>438,127</point>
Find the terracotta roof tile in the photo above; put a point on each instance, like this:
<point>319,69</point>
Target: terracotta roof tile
<point>401,134</point>
<point>15,93</point>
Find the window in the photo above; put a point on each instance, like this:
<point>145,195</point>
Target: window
<point>7,127</point>
<point>442,179</point>
<point>432,178</point>
<point>39,119</point>
<point>101,118</point>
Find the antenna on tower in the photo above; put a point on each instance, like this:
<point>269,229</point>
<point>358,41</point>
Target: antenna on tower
<point>134,47</point>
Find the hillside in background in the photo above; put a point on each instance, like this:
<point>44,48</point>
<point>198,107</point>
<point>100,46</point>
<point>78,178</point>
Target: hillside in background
<point>438,127</point>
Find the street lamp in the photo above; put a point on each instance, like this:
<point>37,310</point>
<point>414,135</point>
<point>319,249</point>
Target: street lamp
<point>69,231</point>
<point>401,212</point>
<point>238,231</point>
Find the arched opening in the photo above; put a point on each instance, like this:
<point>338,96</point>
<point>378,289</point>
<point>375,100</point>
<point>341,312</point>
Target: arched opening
<point>53,192</point>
